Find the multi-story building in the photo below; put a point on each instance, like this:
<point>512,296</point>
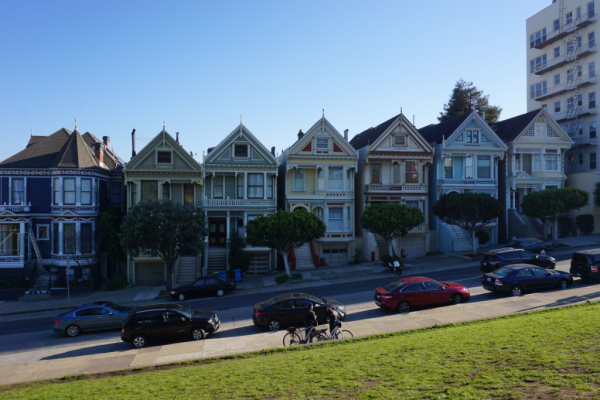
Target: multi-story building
<point>467,155</point>
<point>163,170</point>
<point>393,167</point>
<point>240,180</point>
<point>317,174</point>
<point>51,195</point>
<point>536,149</point>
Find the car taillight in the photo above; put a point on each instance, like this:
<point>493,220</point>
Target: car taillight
<point>230,283</point>
<point>56,321</point>
<point>498,283</point>
<point>386,297</point>
<point>494,262</point>
<point>594,269</point>
<point>258,313</point>
<point>123,330</point>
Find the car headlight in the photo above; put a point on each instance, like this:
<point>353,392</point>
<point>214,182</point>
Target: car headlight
<point>173,292</point>
<point>465,290</point>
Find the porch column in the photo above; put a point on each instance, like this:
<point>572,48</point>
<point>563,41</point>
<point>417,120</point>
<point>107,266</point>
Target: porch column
<point>78,191</point>
<point>228,225</point>
<point>245,223</point>
<point>77,237</point>
<point>513,161</point>
<point>61,236</point>
<point>22,239</point>
<point>512,193</point>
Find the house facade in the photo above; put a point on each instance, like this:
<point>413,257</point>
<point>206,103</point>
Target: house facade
<point>240,180</point>
<point>393,167</point>
<point>51,194</point>
<point>163,170</point>
<point>536,150</point>
<point>467,156</point>
<point>317,174</point>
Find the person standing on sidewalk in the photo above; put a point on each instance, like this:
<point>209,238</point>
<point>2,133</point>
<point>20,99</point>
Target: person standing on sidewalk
<point>310,320</point>
<point>333,316</point>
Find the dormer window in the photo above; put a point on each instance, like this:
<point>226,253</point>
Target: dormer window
<point>472,136</point>
<point>323,144</point>
<point>540,129</point>
<point>399,140</point>
<point>240,150</point>
<point>163,157</point>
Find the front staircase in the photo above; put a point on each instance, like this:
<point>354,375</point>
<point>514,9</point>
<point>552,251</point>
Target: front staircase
<point>186,272</point>
<point>304,258</point>
<point>461,238</point>
<point>217,260</point>
<point>382,244</point>
<point>531,228</point>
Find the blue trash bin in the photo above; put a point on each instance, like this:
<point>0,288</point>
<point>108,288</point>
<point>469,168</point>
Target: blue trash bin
<point>238,275</point>
<point>223,274</point>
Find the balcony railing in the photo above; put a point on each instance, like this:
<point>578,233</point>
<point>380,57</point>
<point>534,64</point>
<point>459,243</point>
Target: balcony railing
<point>578,112</point>
<point>577,81</point>
<point>77,208</point>
<point>11,259</point>
<point>565,30</point>
<point>466,182</point>
<point>16,208</point>
<point>395,188</point>
<point>238,202</point>
<point>566,58</point>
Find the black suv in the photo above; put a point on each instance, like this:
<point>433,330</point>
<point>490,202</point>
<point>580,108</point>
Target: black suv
<point>585,264</point>
<point>506,256</point>
<point>167,321</point>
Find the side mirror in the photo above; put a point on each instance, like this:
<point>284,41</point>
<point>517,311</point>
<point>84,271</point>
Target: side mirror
<point>442,288</point>
<point>183,319</point>
<point>110,313</point>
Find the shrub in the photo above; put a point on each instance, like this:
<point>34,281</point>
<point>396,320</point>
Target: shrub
<point>483,237</point>
<point>6,282</point>
<point>585,223</point>
<point>357,254</point>
<point>565,224</point>
<point>237,258</point>
<point>117,282</point>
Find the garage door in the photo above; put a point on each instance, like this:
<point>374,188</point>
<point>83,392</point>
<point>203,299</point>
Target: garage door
<point>335,254</point>
<point>259,264</point>
<point>414,246</point>
<point>149,274</point>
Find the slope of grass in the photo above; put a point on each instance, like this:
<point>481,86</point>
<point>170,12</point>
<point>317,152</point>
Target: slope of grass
<point>549,354</point>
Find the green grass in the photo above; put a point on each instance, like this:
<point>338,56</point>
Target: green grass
<point>554,354</point>
<point>284,278</point>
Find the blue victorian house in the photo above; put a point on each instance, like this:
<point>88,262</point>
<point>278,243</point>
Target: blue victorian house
<point>466,159</point>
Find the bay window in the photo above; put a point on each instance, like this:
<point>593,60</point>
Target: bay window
<point>336,218</point>
<point>69,240</point>
<point>318,211</point>
<point>517,162</point>
<point>397,174</point>
<point>133,193</point>
<point>412,171</point>
<point>69,190</point>
<point>256,186</point>
<point>321,180</point>
<point>149,190</point>
<point>412,203</point>
<point>551,162</point>
<point>56,189</point>
<point>335,181</point>
<point>484,168</point>
<point>448,168</point>
<point>86,191</point>
<point>86,239</point>
<point>9,239</point>
<point>218,187</point>
<point>188,193</point>
<point>55,239</point>
<point>270,184</point>
<point>240,186</point>
<point>298,180</point>
<point>18,191</point>
<point>348,218</point>
<point>376,173</point>
<point>537,162</point>
<point>469,167</point>
<point>349,179</point>
<point>166,191</point>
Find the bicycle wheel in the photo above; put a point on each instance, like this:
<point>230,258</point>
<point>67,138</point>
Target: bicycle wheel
<point>321,337</point>
<point>292,339</point>
<point>345,334</point>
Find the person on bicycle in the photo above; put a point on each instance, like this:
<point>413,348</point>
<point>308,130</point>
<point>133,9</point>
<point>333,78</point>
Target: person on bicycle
<point>310,320</point>
<point>333,316</point>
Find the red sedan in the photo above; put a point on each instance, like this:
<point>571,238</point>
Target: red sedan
<point>418,291</point>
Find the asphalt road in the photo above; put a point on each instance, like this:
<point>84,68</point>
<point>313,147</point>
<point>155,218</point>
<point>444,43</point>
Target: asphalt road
<point>468,276</point>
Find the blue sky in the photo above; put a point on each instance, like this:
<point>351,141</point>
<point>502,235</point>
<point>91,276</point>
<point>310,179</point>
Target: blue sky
<point>199,65</point>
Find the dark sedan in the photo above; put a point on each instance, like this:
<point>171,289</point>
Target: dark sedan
<point>521,278</point>
<point>418,291</point>
<point>492,260</point>
<point>534,245</point>
<point>288,310</point>
<point>88,317</point>
<point>212,286</point>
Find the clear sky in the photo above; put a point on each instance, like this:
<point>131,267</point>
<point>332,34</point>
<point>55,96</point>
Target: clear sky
<point>199,65</point>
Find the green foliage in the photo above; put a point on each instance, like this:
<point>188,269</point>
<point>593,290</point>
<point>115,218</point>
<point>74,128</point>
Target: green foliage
<point>357,254</point>
<point>483,236</point>
<point>386,260</point>
<point>117,282</point>
<point>110,229</point>
<point>585,223</point>
<point>390,221</point>
<point>597,194</point>
<point>283,230</point>
<point>8,282</point>
<point>565,225</point>
<point>163,229</point>
<point>280,280</point>
<point>461,101</point>
<point>238,259</point>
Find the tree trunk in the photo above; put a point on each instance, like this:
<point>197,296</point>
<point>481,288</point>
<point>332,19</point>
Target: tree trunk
<point>473,241</point>
<point>285,262</point>
<point>390,248</point>
<point>169,264</point>
<point>554,232</point>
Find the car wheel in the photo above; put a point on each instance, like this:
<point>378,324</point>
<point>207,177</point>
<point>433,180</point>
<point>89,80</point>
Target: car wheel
<point>198,333</point>
<point>274,325</point>
<point>403,307</point>
<point>562,284</point>
<point>220,293</point>
<point>181,297</point>
<point>456,298</point>
<point>516,290</point>
<point>72,330</point>
<point>548,265</point>
<point>138,341</point>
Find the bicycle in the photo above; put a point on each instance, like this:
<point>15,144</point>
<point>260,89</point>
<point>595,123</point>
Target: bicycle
<point>338,333</point>
<point>298,335</point>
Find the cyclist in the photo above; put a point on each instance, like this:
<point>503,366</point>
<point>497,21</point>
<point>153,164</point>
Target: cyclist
<point>310,320</point>
<point>334,317</point>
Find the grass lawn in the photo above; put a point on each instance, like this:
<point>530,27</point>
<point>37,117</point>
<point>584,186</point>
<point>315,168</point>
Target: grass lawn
<point>553,354</point>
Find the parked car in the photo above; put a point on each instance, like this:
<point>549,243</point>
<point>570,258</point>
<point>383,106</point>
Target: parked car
<point>404,294</point>
<point>492,260</point>
<point>288,310</point>
<point>520,278</point>
<point>100,315</point>
<point>210,286</point>
<point>167,321</point>
<point>585,264</point>
<point>534,245</point>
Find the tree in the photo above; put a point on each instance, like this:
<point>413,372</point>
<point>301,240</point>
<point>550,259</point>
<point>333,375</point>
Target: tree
<point>470,211</point>
<point>238,259</point>
<point>551,204</point>
<point>597,194</point>
<point>110,229</point>
<point>390,221</point>
<point>466,97</point>
<point>284,230</point>
<point>163,229</point>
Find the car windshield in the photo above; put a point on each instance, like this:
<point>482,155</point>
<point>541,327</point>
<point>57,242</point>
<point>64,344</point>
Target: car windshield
<point>270,302</point>
<point>185,311</point>
<point>116,307</point>
<point>390,287</point>
<point>503,271</point>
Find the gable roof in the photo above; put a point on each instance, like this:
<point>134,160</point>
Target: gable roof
<point>315,129</point>
<point>372,134</point>
<point>435,133</point>
<point>213,154</point>
<point>509,129</point>
<point>162,137</point>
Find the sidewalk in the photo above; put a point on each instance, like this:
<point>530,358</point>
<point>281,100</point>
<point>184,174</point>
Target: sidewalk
<point>139,295</point>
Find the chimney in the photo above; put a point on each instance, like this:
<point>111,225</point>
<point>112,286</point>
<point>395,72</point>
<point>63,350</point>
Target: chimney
<point>346,134</point>
<point>483,114</point>
<point>106,140</point>
<point>273,150</point>
<point>133,144</point>
<point>99,152</point>
<point>177,137</point>
<point>300,134</point>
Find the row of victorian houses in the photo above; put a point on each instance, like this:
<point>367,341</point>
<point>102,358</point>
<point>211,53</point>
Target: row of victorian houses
<point>52,192</point>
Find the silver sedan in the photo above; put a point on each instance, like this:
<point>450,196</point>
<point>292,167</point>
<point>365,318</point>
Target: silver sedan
<point>100,315</point>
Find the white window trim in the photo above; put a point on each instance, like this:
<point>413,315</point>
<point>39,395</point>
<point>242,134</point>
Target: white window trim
<point>343,179</point>
<point>467,137</point>
<point>394,175</point>
<point>418,172</point>
<point>472,157</point>
<point>247,156</point>
<point>10,190</point>
<point>317,143</point>
<point>163,151</point>
<point>343,218</point>
<point>400,145</point>
<point>47,232</point>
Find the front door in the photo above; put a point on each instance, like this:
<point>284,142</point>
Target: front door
<point>217,234</point>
